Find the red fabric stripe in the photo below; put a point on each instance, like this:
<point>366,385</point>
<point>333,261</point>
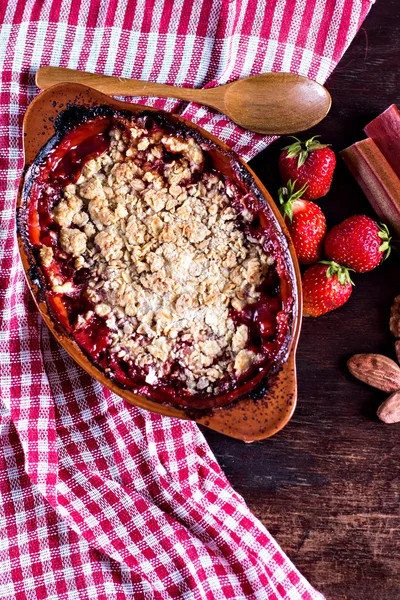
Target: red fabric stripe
<point>74,11</point>
<point>19,11</point>
<point>55,11</point>
<point>147,16</point>
<point>248,21</point>
<point>319,47</point>
<point>85,52</point>
<point>204,20</point>
<point>183,24</point>
<point>303,30</point>
<point>93,15</point>
<point>268,18</point>
<point>166,16</point>
<point>343,30</point>
<point>286,22</point>
<point>129,16</point>
<point>222,26</point>
<point>111,13</point>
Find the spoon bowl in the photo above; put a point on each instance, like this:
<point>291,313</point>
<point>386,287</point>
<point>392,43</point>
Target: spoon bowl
<point>270,103</point>
<point>276,103</point>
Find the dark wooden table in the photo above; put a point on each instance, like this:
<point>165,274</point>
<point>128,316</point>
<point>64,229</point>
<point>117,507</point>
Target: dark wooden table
<point>327,486</point>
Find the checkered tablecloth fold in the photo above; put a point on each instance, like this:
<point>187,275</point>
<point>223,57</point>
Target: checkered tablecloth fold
<point>100,499</point>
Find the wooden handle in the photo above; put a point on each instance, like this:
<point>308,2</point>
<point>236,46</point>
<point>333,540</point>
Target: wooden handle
<point>119,86</point>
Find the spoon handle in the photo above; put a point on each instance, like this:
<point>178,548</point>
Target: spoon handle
<point>119,86</point>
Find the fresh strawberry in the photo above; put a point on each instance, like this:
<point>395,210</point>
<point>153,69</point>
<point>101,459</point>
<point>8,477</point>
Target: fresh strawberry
<point>359,243</point>
<point>308,163</point>
<point>305,221</point>
<point>326,286</point>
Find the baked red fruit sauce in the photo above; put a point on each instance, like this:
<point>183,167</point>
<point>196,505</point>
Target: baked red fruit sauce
<point>269,320</point>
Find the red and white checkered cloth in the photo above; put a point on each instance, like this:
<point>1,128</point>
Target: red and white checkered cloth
<point>99,499</point>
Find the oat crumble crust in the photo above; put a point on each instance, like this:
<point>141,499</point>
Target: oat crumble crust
<point>166,257</point>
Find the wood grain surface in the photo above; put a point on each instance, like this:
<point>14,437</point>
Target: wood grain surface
<point>272,103</point>
<point>327,486</point>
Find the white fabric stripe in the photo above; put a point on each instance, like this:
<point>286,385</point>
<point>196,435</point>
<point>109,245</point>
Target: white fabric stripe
<point>258,18</point>
<point>83,13</point>
<point>194,18</point>
<point>324,70</point>
<point>129,62</point>
<point>256,28</point>
<point>287,57</point>
<point>234,40</point>
<point>44,12</point>
<point>93,57</point>
<point>185,64</point>
<point>190,42</point>
<point>224,53</point>
<point>250,56</point>
<point>116,31</point>
<point>156,16</point>
<point>168,57</point>
<point>240,20</point>
<point>65,10</point>
<point>331,38</point>
<point>214,20</point>
<point>128,69</point>
<point>204,62</point>
<point>270,53</point>
<point>333,28</point>
<point>354,19</point>
<point>316,20</point>
<point>112,50</point>
<point>20,44</point>
<point>79,38</point>
<point>152,48</point>
<point>101,7</point>
<point>60,35</point>
<point>305,62</point>
<point>9,14</point>
<point>245,41</point>
<point>120,13</point>
<point>277,20</point>
<point>5,34</point>
<point>175,16</point>
<point>39,44</point>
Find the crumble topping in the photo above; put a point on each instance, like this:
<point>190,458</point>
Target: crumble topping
<point>166,255</point>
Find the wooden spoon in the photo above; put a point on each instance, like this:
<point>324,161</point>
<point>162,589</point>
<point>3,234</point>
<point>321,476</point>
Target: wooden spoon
<point>271,103</point>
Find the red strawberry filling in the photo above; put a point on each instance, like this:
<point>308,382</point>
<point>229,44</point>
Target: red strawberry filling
<point>122,286</point>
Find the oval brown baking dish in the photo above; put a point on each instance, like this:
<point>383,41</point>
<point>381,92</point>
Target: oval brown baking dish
<point>159,261</point>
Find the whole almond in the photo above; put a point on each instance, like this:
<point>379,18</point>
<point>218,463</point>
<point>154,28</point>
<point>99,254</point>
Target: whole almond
<point>394,322</point>
<point>376,370</point>
<point>397,348</point>
<point>389,411</point>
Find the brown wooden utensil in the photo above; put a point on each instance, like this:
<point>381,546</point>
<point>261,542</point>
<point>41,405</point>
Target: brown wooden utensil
<point>247,419</point>
<point>270,103</point>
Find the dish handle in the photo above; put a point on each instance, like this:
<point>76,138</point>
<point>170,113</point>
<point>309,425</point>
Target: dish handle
<point>250,420</point>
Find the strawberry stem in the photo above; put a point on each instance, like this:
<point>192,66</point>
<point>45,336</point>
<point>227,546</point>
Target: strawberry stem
<point>287,196</point>
<point>342,273</point>
<point>303,149</point>
<point>386,246</point>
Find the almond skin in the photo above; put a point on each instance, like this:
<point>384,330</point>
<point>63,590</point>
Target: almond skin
<point>375,370</point>
<point>397,348</point>
<point>394,322</point>
<point>389,411</point>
